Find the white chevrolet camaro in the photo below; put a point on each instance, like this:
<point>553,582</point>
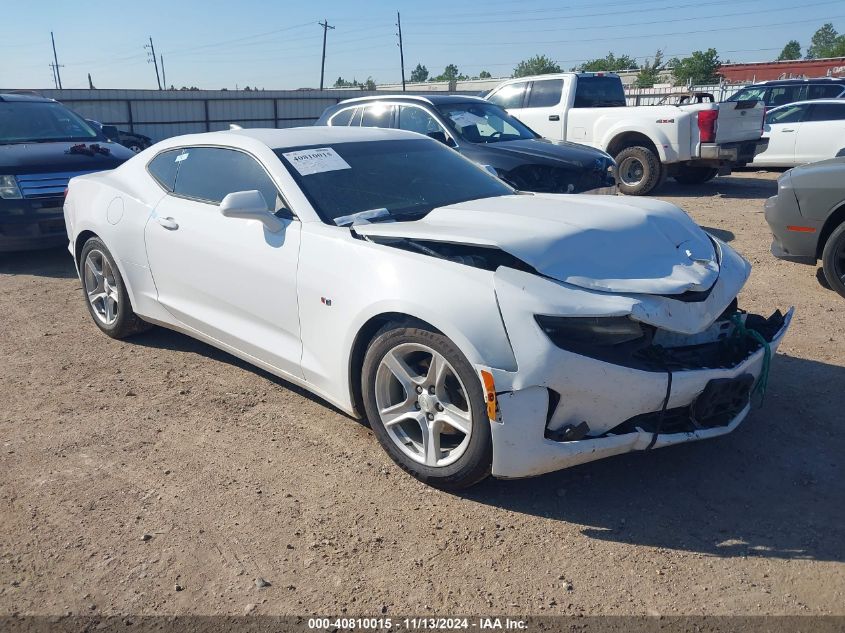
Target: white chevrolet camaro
<point>480,330</point>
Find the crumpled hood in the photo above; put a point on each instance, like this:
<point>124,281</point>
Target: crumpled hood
<point>606,243</point>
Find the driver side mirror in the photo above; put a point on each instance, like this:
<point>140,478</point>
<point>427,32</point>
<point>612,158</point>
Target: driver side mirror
<point>250,205</point>
<point>441,136</point>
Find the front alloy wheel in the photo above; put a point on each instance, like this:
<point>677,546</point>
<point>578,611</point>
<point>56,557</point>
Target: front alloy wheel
<point>426,407</point>
<point>423,405</point>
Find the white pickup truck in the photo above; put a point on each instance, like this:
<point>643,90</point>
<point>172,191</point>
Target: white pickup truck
<point>691,143</point>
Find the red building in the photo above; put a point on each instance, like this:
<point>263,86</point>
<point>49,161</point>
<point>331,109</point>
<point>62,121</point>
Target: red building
<point>789,69</point>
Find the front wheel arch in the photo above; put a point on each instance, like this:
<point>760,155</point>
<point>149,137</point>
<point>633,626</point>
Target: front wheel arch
<point>366,333</point>
<point>833,221</point>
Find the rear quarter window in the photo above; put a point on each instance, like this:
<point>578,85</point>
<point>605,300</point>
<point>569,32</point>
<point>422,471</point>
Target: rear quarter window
<point>343,117</point>
<point>163,168</point>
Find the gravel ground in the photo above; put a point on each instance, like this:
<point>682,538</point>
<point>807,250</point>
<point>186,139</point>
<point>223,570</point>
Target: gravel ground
<point>160,476</point>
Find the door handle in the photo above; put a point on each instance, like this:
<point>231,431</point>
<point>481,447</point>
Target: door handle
<point>168,223</point>
<point>789,130</point>
<point>554,117</point>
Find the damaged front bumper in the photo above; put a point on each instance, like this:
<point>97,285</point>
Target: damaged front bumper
<point>561,408</point>
<point>521,443</point>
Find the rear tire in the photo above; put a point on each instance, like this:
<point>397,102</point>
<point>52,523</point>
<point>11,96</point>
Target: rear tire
<point>105,292</point>
<point>695,175</point>
<point>638,170</point>
<point>833,260</point>
<point>425,404</point>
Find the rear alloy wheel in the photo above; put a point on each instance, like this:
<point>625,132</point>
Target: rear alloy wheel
<point>695,175</point>
<point>107,299</point>
<point>426,407</point>
<point>638,170</point>
<point>833,260</point>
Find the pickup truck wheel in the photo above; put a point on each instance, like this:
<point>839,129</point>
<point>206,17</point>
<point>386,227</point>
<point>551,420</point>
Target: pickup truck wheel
<point>695,175</point>
<point>638,169</point>
<point>833,260</point>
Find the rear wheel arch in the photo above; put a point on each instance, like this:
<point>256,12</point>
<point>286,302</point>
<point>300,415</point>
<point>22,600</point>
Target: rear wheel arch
<point>631,139</point>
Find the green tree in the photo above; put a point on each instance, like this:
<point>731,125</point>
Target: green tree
<point>610,63</point>
<point>342,83</point>
<point>484,75</point>
<point>420,73</point>
<point>698,68</point>
<point>792,50</point>
<point>370,84</point>
<point>537,65</point>
<point>650,71</point>
<point>826,42</point>
<point>450,73</point>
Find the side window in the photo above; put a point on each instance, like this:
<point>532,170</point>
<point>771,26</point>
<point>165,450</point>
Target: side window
<point>510,96</point>
<point>377,115</point>
<point>827,112</point>
<point>163,168</point>
<point>789,114</point>
<point>210,173</point>
<point>416,119</point>
<point>781,95</point>
<point>828,91</point>
<point>356,118</point>
<point>545,93</point>
<point>343,117</point>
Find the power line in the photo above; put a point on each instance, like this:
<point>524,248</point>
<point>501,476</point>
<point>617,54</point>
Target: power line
<point>326,27</point>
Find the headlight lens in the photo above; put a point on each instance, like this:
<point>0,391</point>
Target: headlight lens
<point>9,189</point>
<point>575,332</point>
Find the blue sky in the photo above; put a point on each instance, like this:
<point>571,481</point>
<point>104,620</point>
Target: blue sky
<point>216,44</point>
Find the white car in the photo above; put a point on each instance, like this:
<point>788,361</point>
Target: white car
<point>480,330</point>
<point>803,132</point>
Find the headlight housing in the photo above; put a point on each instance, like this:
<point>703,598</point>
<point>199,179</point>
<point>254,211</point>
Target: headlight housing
<point>575,333</point>
<point>9,189</point>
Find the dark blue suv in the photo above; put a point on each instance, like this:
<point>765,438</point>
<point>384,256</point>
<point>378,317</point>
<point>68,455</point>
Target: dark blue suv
<point>42,146</point>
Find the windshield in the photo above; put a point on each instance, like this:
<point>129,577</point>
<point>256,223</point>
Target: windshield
<point>407,178</point>
<point>484,123</point>
<point>42,122</point>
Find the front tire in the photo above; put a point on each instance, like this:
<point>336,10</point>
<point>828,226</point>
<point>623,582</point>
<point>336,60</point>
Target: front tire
<point>695,175</point>
<point>426,407</point>
<point>638,171</point>
<point>105,292</point>
<point>833,260</point>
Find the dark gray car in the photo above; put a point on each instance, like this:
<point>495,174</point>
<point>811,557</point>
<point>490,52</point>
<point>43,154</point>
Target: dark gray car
<point>807,218</point>
<point>487,135</point>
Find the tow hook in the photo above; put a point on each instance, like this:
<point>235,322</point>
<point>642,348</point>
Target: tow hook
<point>569,433</point>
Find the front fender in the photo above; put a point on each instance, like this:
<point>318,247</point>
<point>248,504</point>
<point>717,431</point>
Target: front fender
<point>344,282</point>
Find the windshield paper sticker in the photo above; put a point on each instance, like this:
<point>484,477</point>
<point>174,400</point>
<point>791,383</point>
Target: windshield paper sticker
<point>316,161</point>
<point>465,119</point>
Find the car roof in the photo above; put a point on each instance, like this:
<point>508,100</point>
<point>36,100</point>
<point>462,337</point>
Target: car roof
<point>291,137</point>
<point>433,99</point>
<point>789,82</point>
<point>14,96</point>
<point>809,102</point>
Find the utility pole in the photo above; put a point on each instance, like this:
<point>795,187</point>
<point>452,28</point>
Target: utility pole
<point>163,75</point>
<point>326,27</point>
<point>401,50</point>
<point>53,70</point>
<point>56,62</point>
<point>151,58</point>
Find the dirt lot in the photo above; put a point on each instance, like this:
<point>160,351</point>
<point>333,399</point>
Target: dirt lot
<point>234,475</point>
